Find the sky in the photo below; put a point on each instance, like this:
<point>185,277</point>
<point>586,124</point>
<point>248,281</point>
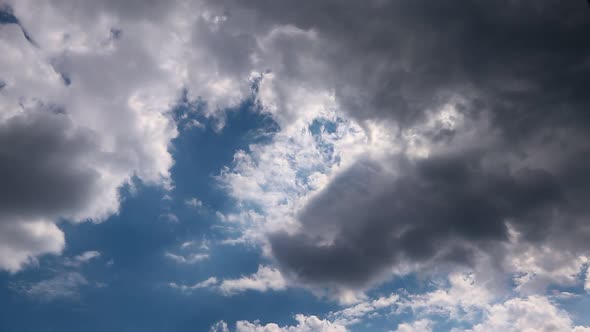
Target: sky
<point>294,166</point>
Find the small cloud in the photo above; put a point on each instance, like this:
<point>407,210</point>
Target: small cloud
<point>81,259</point>
<point>63,286</point>
<point>220,326</point>
<point>210,282</point>
<point>587,281</point>
<point>193,202</point>
<point>203,245</point>
<point>193,124</point>
<point>170,217</point>
<point>423,325</point>
<point>189,259</point>
<point>266,278</point>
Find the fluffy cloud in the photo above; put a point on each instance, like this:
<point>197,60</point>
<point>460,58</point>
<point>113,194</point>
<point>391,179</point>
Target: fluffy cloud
<point>534,313</point>
<point>188,259</point>
<point>413,134</point>
<point>423,325</point>
<point>481,136</point>
<point>266,278</point>
<point>304,324</point>
<point>85,98</point>
<point>82,259</point>
<point>210,282</point>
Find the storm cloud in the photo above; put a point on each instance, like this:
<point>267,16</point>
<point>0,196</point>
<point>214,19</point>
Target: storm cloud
<point>520,67</point>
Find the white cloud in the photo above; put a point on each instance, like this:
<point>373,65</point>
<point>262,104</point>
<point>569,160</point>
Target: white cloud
<point>422,325</point>
<point>534,313</point>
<point>126,66</point>
<point>360,311</point>
<point>279,178</point>
<point>170,217</point>
<point>304,324</point>
<point>21,242</point>
<point>83,258</point>
<point>187,259</point>
<point>65,285</point>
<point>535,267</point>
<point>208,283</point>
<point>462,300</point>
<point>266,278</point>
<point>220,326</point>
<point>193,202</point>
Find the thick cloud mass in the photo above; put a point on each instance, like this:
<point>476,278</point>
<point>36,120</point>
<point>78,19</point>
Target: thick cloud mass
<point>466,122</point>
<point>516,74</point>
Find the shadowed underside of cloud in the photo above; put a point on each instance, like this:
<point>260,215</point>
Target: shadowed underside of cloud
<point>516,74</point>
<point>483,106</point>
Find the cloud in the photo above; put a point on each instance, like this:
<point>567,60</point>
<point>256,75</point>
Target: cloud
<point>533,313</point>
<point>304,324</point>
<point>337,321</point>
<point>220,326</point>
<point>358,312</point>
<point>413,135</point>
<point>81,259</point>
<point>423,325</point>
<point>481,135</point>
<point>92,109</point>
<point>266,278</point>
<point>463,299</point>
<point>188,259</point>
<point>65,285</point>
<point>193,202</point>
<point>210,282</point>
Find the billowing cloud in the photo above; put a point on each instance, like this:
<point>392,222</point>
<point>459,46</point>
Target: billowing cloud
<point>304,324</point>
<point>483,134</point>
<point>423,325</point>
<point>526,314</point>
<point>265,278</point>
<point>414,135</point>
<point>85,96</point>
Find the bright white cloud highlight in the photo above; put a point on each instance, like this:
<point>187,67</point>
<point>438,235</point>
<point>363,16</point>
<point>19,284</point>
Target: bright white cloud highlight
<point>266,278</point>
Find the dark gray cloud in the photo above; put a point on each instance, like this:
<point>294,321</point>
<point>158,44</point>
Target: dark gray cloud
<point>42,166</point>
<point>437,209</point>
<point>523,65</point>
<point>395,59</point>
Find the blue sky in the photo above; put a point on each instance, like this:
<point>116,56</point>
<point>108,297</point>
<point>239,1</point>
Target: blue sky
<point>337,166</point>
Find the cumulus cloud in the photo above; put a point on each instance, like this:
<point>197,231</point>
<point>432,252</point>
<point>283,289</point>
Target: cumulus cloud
<point>481,135</point>
<point>265,278</point>
<point>413,134</point>
<point>304,324</point>
<point>533,313</point>
<point>193,202</point>
<point>86,91</point>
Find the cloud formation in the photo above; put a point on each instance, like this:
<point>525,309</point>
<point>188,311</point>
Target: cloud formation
<point>86,93</point>
<point>485,133</point>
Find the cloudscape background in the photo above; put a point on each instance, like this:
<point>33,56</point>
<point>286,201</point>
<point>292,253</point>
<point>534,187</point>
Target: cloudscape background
<point>294,166</point>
